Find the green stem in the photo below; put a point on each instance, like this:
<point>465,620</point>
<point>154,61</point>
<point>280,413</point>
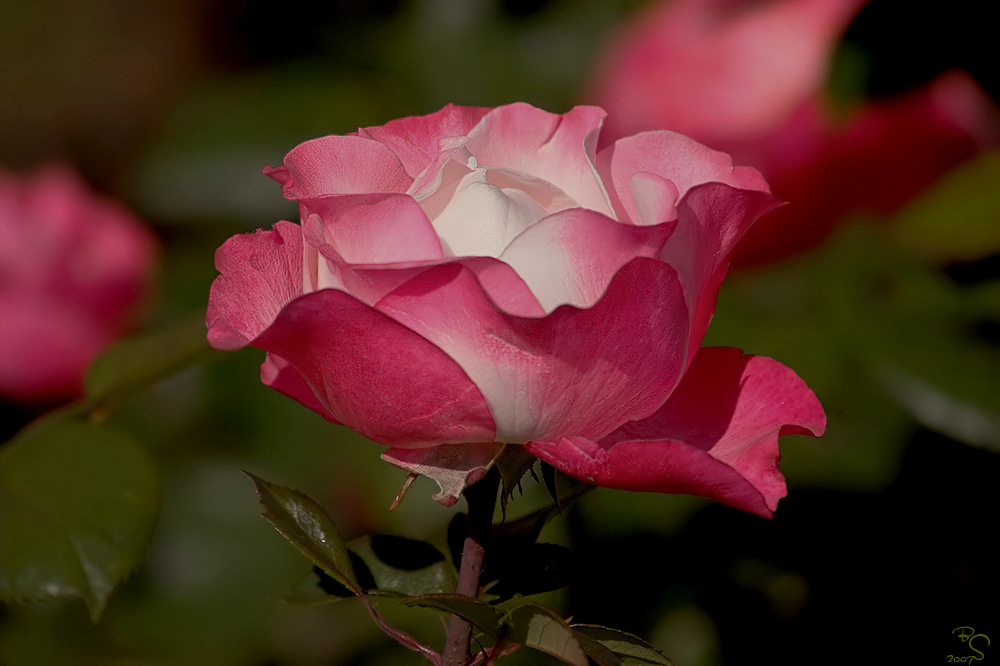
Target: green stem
<point>481,497</point>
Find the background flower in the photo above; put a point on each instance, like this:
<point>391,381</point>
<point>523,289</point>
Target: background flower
<point>750,79</point>
<point>75,267</point>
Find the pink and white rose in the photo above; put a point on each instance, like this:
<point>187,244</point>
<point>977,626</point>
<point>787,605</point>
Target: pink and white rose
<point>480,278</point>
<point>74,269</point>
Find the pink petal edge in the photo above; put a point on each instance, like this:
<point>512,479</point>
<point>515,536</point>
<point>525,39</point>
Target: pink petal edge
<point>576,371</point>
<point>375,375</point>
<point>717,435</point>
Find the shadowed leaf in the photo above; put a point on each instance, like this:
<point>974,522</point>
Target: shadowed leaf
<point>480,614</point>
<point>77,506</point>
<point>404,566</point>
<point>628,649</point>
<point>539,628</point>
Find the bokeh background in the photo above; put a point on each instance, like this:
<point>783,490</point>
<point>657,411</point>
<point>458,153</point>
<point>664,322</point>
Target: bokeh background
<point>883,546</point>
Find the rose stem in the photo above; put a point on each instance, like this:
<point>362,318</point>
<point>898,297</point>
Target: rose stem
<point>481,497</point>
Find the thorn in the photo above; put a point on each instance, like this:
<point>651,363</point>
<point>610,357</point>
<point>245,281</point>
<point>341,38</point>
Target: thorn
<point>402,491</point>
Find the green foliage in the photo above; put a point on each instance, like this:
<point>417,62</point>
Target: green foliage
<point>77,507</point>
<point>307,526</point>
<point>957,219</point>
<point>401,566</point>
<point>138,362</point>
<point>628,649</point>
<point>480,614</point>
<point>539,628</point>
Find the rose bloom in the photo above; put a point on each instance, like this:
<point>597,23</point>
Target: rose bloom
<point>748,77</point>
<point>478,279</point>
<point>74,268</point>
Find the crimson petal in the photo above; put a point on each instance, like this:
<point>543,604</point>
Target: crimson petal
<point>717,435</point>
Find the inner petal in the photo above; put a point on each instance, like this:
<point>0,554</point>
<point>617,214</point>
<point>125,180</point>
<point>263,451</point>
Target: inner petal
<point>482,219</point>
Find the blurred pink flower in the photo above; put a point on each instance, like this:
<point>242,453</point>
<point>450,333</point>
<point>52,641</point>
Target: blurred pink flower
<point>482,278</point>
<point>747,78</point>
<point>74,267</point>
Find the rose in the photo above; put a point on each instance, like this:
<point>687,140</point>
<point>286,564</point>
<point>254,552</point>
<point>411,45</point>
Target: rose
<point>748,78</point>
<point>74,267</point>
<point>476,279</point>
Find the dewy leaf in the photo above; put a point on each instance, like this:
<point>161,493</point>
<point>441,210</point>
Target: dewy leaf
<point>308,527</point>
<point>539,628</point>
<point>404,566</point>
<point>136,363</point>
<point>77,506</point>
<point>630,650</point>
<point>480,614</point>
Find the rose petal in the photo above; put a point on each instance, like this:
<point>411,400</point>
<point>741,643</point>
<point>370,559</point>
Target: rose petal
<point>339,165</point>
<point>573,372</point>
<point>375,228</point>
<point>453,467</point>
<point>671,156</point>
<point>279,374</point>
<point>415,140</point>
<point>559,149</point>
<point>259,274</point>
<point>717,435</point>
<point>571,257</point>
<point>655,198</point>
<point>712,219</point>
<point>375,375</point>
<point>481,219</point>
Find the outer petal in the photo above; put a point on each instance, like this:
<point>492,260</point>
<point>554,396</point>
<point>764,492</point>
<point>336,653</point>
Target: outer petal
<point>712,219</point>
<point>572,372</point>
<point>259,274</point>
<point>716,436</point>
<point>363,369</point>
<point>674,157</point>
<point>279,374</point>
<point>453,467</point>
<point>558,149</point>
<point>416,140</point>
<point>339,165</point>
<point>375,375</point>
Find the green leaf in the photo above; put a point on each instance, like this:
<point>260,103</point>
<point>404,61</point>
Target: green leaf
<point>308,527</point>
<point>630,650</point>
<point>78,503</point>
<point>404,566</point>
<point>539,628</point>
<point>315,588</point>
<point>957,218</point>
<point>524,568</point>
<point>480,614</point>
<point>139,362</point>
